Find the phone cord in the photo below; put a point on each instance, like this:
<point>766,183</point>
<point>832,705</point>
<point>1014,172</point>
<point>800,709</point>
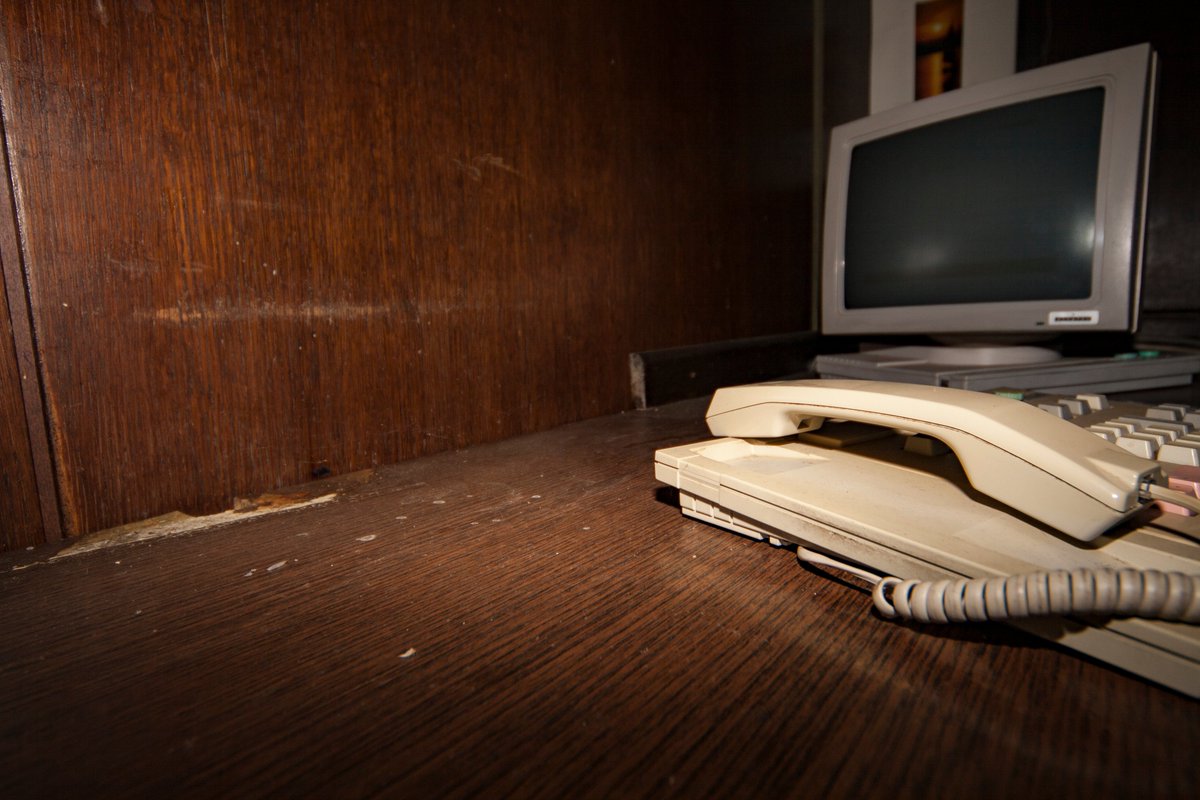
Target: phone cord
<point>1108,592</point>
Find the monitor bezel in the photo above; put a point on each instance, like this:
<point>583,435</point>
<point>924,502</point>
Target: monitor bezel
<point>1128,77</point>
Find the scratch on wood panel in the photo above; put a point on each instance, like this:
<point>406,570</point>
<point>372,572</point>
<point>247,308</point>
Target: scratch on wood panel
<point>147,266</point>
<point>249,202</point>
<point>267,311</point>
<point>212,54</point>
<point>474,168</point>
<point>139,267</point>
<point>177,523</point>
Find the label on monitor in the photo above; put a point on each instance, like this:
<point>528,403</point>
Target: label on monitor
<point>1074,318</point>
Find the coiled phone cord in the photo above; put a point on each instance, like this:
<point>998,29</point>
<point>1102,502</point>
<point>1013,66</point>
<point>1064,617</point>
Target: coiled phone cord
<point>1107,592</point>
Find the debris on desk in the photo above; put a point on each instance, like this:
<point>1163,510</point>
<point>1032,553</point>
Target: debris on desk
<point>177,523</point>
<point>270,500</point>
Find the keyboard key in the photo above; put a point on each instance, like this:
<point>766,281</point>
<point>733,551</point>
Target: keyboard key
<point>1186,480</point>
<point>1057,409</point>
<point>1139,444</point>
<point>1187,453</point>
<point>1170,433</point>
<point>1076,406</point>
<point>1164,412</point>
<point>1096,402</point>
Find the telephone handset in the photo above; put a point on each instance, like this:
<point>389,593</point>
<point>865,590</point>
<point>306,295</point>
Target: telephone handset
<point>1055,472</point>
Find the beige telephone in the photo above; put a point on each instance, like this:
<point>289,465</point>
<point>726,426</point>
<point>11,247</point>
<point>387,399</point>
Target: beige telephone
<point>1028,517</point>
<point>1053,471</point>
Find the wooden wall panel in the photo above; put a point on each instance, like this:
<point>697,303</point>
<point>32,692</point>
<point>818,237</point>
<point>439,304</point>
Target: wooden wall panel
<point>266,240</point>
<point>29,513</point>
<point>20,512</point>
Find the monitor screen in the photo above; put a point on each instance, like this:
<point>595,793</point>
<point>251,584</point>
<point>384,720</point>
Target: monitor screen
<point>1013,207</point>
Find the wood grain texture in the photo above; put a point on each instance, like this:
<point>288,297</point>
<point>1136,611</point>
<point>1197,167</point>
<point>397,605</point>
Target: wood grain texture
<point>28,497</point>
<point>534,618</point>
<point>20,512</point>
<point>268,240</point>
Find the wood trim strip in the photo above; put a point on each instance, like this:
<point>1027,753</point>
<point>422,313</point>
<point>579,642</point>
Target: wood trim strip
<point>13,268</point>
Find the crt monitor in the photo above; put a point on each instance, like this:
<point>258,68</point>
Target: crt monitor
<point>1005,211</point>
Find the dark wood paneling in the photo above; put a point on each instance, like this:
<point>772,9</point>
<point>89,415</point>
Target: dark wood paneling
<point>1057,30</point>
<point>847,70</point>
<point>28,498</point>
<point>20,514</point>
<point>265,240</point>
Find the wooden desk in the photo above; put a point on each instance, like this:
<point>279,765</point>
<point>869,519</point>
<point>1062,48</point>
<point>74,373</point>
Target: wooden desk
<point>534,618</point>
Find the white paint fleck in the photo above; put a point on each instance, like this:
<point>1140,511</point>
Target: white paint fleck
<point>251,572</point>
<point>537,497</point>
<point>277,565</point>
<point>409,653</point>
<point>439,502</point>
<point>368,538</point>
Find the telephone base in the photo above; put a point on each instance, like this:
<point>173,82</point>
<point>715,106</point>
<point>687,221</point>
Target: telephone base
<point>899,512</point>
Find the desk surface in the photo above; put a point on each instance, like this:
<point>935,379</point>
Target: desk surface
<point>534,618</point>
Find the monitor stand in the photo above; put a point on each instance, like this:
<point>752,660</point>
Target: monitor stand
<point>964,355</point>
<point>1024,368</point>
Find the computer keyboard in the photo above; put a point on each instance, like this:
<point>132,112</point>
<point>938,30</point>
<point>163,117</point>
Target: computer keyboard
<point>1166,432</point>
<point>1124,372</point>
